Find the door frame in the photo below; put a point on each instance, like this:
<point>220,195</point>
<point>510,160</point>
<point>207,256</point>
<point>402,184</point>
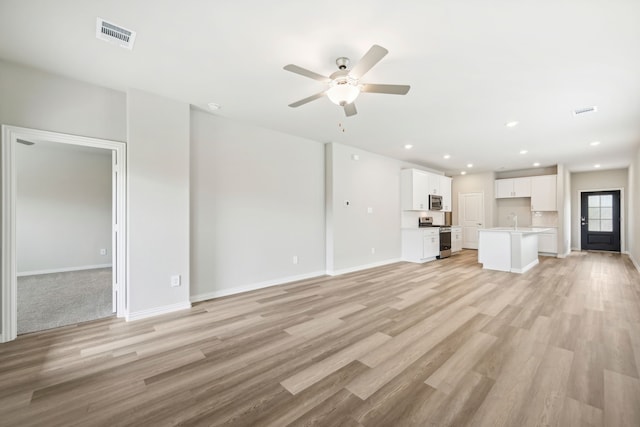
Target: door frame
<point>460,202</point>
<point>623,245</point>
<point>8,278</point>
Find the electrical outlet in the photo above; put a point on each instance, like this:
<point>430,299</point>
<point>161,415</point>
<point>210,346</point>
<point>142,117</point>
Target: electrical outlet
<point>370,210</point>
<point>373,251</point>
<point>103,251</point>
<point>175,281</point>
<point>295,259</point>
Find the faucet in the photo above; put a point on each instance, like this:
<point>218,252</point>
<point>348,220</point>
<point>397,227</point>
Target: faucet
<point>514,217</point>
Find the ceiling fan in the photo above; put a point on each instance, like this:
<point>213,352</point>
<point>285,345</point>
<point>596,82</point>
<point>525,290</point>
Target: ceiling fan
<point>344,84</point>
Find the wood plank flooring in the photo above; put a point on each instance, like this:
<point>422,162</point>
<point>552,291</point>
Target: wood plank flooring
<point>438,344</point>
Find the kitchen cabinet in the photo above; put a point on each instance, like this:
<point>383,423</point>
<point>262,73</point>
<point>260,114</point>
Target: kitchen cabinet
<point>548,242</point>
<point>417,185</point>
<point>513,187</point>
<point>434,184</point>
<point>456,239</point>
<point>445,192</point>
<point>414,190</point>
<point>431,243</point>
<point>420,244</point>
<point>543,193</point>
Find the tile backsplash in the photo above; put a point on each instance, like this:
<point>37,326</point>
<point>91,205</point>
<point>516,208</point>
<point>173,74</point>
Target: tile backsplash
<point>544,219</point>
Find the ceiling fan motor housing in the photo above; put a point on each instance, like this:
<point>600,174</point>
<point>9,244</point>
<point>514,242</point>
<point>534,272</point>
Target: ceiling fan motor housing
<point>342,63</point>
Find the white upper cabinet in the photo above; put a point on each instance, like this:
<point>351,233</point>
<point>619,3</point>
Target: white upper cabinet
<point>434,184</point>
<point>513,187</point>
<point>417,185</point>
<point>445,192</point>
<point>543,193</point>
<point>414,186</point>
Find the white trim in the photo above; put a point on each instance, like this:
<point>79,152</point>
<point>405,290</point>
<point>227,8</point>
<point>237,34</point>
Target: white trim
<point>633,261</point>
<point>62,270</point>
<point>362,267</point>
<point>526,267</point>
<point>254,286</point>
<point>157,311</point>
<point>10,135</point>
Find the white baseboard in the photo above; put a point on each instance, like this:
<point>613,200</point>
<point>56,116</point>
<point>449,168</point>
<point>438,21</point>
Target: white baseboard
<point>526,267</point>
<point>633,261</point>
<point>362,267</point>
<point>62,270</point>
<point>156,311</point>
<point>254,286</point>
<point>1,339</point>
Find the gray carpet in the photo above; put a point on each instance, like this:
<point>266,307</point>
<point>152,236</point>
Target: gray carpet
<point>47,301</point>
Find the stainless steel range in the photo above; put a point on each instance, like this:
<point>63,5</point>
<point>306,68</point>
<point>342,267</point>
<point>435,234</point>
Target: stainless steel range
<point>445,235</point>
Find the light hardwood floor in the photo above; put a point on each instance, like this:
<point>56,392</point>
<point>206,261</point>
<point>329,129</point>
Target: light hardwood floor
<point>444,343</point>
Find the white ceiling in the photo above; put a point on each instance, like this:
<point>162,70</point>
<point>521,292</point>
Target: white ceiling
<point>472,65</point>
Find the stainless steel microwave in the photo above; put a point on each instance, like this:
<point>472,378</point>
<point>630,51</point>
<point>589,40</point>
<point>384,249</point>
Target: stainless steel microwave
<point>435,202</point>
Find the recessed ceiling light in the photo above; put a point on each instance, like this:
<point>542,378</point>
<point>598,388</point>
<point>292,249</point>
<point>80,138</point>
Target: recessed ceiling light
<point>596,166</point>
<point>446,156</point>
<point>523,151</point>
<point>594,143</point>
<point>536,164</point>
<point>408,146</point>
<point>213,106</point>
<point>463,173</point>
<point>469,165</point>
<point>511,124</point>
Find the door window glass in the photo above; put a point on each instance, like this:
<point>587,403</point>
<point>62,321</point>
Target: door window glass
<point>600,213</point>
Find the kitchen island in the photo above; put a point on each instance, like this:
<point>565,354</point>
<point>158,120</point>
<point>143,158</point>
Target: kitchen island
<point>508,248</point>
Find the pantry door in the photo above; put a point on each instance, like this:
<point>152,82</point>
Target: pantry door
<point>470,217</point>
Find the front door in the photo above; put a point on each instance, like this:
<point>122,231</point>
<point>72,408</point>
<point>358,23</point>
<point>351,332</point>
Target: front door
<point>600,221</point>
<point>470,217</point>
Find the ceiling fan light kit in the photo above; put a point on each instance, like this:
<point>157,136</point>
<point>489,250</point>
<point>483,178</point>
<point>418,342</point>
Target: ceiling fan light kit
<point>344,84</point>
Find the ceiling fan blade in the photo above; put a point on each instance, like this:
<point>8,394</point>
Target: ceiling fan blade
<point>307,99</point>
<point>350,109</point>
<point>390,89</point>
<point>371,58</point>
<point>306,73</point>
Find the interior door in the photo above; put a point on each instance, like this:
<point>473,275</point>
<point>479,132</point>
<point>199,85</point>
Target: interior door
<point>600,221</point>
<point>470,217</point>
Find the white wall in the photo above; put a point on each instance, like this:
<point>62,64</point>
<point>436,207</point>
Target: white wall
<point>39,100</point>
<point>598,180</point>
<point>564,211</point>
<point>63,207</point>
<point>257,200</point>
<point>158,203</point>
<point>372,181</point>
<point>475,183</point>
<point>634,209</point>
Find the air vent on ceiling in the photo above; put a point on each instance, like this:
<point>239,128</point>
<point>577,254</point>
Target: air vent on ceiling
<point>113,33</point>
<point>25,142</point>
<point>585,110</point>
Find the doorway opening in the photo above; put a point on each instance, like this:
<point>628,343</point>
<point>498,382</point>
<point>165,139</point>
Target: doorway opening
<point>24,235</point>
<point>600,220</point>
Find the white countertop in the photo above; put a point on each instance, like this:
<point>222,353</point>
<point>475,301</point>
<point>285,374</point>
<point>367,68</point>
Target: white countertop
<point>519,230</point>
